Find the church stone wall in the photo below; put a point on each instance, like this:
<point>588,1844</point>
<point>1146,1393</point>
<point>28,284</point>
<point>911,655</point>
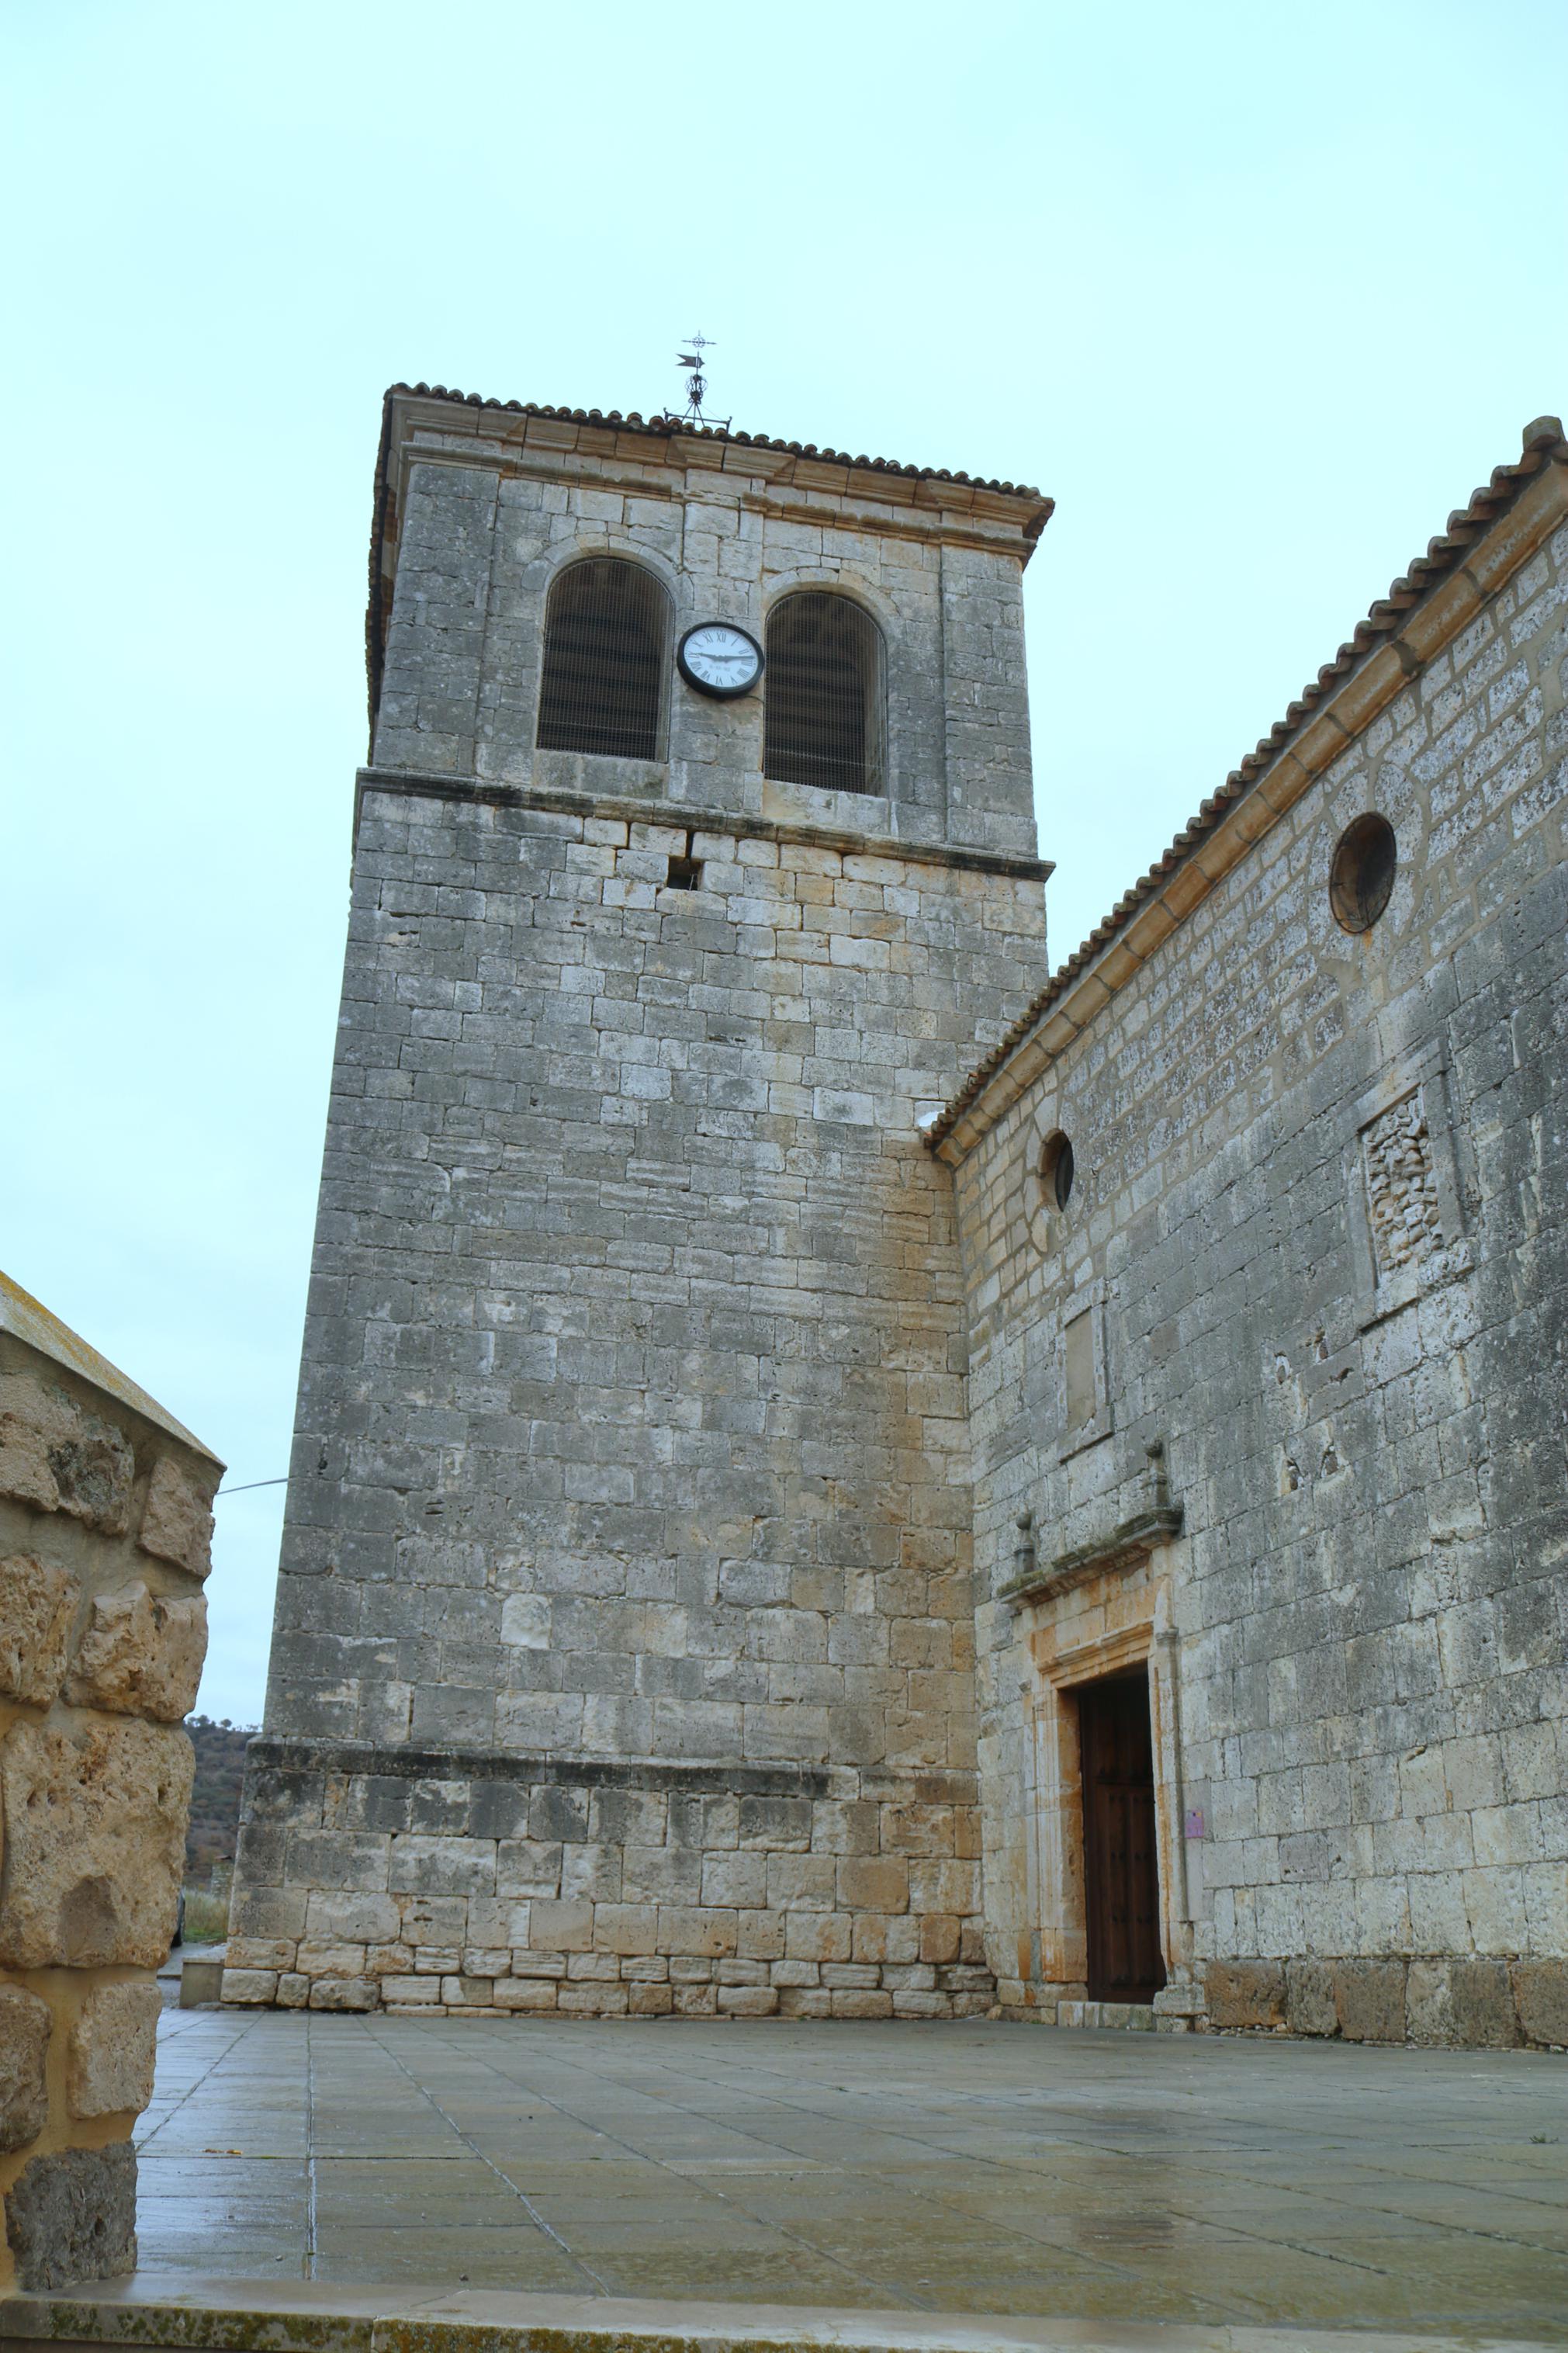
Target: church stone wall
<point>1316,1248</point>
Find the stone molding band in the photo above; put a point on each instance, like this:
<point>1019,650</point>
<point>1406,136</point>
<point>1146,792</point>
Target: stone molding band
<point>786,1780</point>
<point>623,809</point>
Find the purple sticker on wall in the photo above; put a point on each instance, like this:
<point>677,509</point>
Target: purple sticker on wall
<point>1194,1822</point>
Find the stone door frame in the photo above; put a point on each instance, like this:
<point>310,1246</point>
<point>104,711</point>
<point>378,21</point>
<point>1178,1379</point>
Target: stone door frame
<point>1114,1621</point>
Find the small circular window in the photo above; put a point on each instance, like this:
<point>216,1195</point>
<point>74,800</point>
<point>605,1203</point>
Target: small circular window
<point>1362,876</point>
<point>1055,1169</point>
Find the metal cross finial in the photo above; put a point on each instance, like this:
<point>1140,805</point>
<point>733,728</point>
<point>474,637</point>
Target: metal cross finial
<point>696,385</point>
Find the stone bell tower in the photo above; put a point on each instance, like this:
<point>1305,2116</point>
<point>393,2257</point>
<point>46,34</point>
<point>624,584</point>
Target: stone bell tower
<point>624,1631</point>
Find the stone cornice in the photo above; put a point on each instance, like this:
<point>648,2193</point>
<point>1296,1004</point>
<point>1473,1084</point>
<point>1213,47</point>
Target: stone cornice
<point>1126,1545</point>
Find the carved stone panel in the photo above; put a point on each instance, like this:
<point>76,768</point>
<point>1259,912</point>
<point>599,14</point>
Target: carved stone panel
<point>1402,1210</point>
<point>1402,1187</point>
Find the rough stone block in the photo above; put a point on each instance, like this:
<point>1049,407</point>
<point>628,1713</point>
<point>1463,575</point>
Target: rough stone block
<point>690,1929</point>
<point>805,2001</point>
<point>176,1524</point>
<point>940,1936</point>
<point>71,2216</point>
<point>56,1457</point>
<point>324,1960</point>
<point>141,1654</point>
<point>817,1935</point>
<point>860,2003</point>
<point>1369,2000</point>
<point>249,1986</point>
<point>748,2001</point>
<point>113,2047</point>
<point>341,1993</point>
<point>94,1818</point>
<point>25,1419</point>
<point>625,1928</point>
<point>1540,1998</point>
<point>526,1993</point>
<point>1245,1993</point>
<point>565,1926</point>
<point>409,1992</point>
<point>1309,1997</point>
<point>261,1952</point>
<point>25,2027</point>
<point>594,2001</point>
<point>38,1606</point>
<point>874,1883</point>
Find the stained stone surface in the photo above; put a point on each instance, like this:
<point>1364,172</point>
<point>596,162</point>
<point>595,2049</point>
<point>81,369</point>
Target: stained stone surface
<point>56,1455</point>
<point>110,2055</point>
<point>94,1813</point>
<point>26,2026</point>
<point>142,1654</point>
<point>37,1603</point>
<point>176,1522</point>
<point>987,2169</point>
<point>71,2215</point>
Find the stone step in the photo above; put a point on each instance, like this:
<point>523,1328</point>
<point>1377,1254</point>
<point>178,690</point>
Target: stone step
<point>209,2316</point>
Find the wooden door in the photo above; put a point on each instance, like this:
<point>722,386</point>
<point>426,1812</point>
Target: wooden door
<point>1120,1867</point>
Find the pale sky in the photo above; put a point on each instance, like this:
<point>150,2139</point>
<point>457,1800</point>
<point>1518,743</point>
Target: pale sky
<point>1257,294</point>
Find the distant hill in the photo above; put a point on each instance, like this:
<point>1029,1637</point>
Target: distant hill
<point>215,1800</point>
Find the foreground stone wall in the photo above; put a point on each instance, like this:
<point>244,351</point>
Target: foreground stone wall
<point>105,1531</point>
<point>1316,1250</point>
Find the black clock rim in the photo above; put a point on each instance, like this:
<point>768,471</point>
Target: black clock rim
<point>719,693</point>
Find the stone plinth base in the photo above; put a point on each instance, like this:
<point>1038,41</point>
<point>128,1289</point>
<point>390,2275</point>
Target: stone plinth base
<point>1479,2001</point>
<point>469,1882</point>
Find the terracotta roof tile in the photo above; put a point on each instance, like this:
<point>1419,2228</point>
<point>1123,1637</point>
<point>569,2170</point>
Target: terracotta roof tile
<point>668,429</point>
<point>1544,443</point>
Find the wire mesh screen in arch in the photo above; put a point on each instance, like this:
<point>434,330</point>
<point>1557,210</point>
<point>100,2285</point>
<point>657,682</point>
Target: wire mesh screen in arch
<point>824,694</point>
<point>605,682</point>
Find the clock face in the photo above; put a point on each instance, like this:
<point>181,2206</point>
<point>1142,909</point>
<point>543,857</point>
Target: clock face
<point>718,659</point>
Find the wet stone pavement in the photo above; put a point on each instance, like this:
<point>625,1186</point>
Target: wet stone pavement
<point>975,2168</point>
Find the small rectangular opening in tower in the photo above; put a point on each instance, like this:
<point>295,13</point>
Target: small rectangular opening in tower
<point>685,874</point>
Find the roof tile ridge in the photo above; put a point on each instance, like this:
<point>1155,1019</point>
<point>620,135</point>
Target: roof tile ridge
<point>670,426</point>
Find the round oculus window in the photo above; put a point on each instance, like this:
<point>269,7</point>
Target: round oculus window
<point>1057,1168</point>
<point>1361,878</point>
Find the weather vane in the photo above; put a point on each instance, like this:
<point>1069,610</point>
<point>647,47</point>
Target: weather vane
<point>696,386</point>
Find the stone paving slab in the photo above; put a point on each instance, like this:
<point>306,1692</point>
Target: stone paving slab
<point>988,2169</point>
